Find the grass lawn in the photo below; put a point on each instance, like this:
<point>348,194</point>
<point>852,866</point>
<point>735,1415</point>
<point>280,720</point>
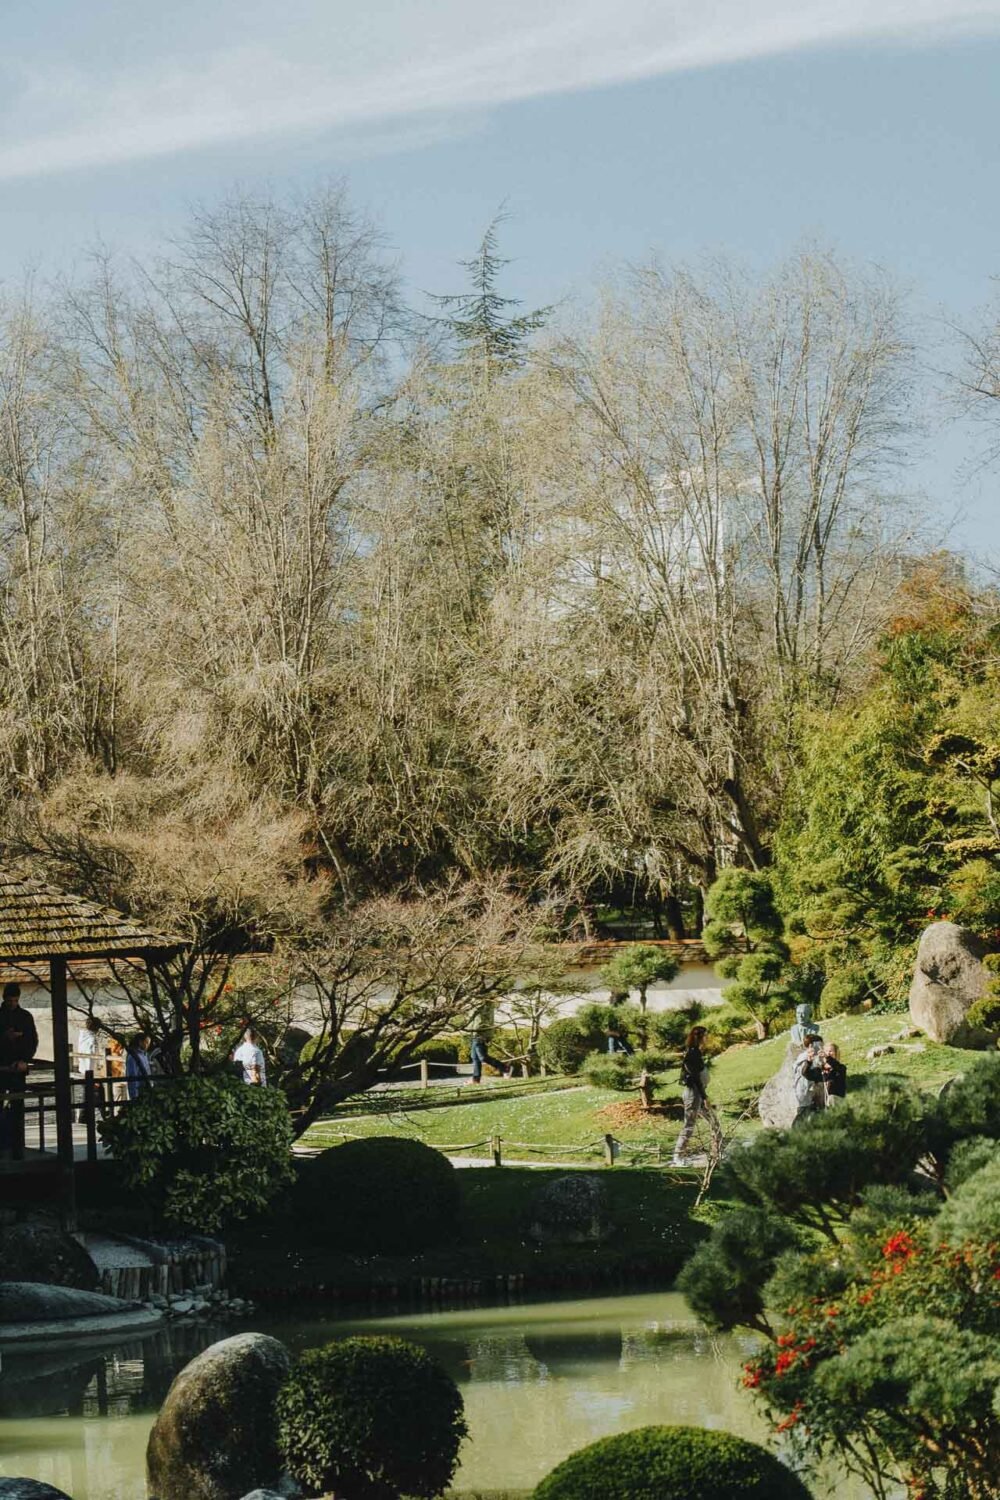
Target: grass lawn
<point>569,1124</point>
<point>278,1256</point>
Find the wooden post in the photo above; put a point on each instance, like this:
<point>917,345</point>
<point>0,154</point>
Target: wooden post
<point>90,1113</point>
<point>609,1150</point>
<point>495,1148</point>
<point>424,1073</point>
<point>64,1089</point>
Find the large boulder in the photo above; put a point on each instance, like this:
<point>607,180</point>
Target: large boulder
<point>29,1489</point>
<point>777,1105</point>
<point>43,1252</point>
<point>570,1210</point>
<point>948,980</point>
<point>215,1437</point>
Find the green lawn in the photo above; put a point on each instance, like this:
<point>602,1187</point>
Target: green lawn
<point>277,1256</point>
<point>568,1125</point>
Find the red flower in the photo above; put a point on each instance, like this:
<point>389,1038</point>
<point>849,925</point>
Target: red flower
<point>899,1246</point>
<point>784,1362</point>
<point>791,1419</point>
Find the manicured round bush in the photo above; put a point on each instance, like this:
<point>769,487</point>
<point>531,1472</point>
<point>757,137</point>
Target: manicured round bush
<point>671,1463</point>
<point>202,1152</point>
<point>565,1044</point>
<point>372,1418</point>
<point>381,1196</point>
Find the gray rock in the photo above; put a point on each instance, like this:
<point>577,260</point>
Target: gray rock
<point>570,1210</point>
<point>777,1105</point>
<point>33,1302</point>
<point>215,1437</point>
<point>45,1253</point>
<point>948,980</point>
<point>29,1489</point>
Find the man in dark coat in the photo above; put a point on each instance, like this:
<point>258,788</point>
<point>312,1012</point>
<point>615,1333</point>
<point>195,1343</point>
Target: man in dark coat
<point>18,1045</point>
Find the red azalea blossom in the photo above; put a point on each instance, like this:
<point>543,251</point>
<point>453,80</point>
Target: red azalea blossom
<point>899,1246</point>
<point>784,1362</point>
<point>833,1312</point>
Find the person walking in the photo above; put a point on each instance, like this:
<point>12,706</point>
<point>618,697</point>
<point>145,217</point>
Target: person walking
<point>694,1078</point>
<point>481,1058</point>
<point>138,1068</point>
<point>834,1075</point>
<point>18,1045</point>
<point>250,1057</point>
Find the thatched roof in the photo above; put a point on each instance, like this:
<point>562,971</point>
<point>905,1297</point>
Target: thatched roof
<point>38,922</point>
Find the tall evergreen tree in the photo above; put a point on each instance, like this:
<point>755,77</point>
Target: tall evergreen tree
<point>479,319</point>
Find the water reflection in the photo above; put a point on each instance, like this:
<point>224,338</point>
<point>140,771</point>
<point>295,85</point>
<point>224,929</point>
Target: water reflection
<point>539,1380</point>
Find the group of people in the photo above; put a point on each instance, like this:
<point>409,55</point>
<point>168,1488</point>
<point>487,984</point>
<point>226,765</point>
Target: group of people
<point>819,1076</point>
<point>819,1080</point>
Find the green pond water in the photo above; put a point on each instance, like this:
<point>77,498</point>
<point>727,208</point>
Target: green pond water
<point>538,1379</point>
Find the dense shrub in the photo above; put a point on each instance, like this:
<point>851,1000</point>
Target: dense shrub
<point>567,1042</point>
<point>844,991</point>
<point>671,1463</point>
<point>724,1279</point>
<point>202,1152</point>
<point>667,1029</point>
<point>372,1418</point>
<point>381,1196</point>
<point>616,1070</point>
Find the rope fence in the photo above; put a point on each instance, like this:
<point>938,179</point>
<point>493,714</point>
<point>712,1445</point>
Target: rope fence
<point>607,1147</point>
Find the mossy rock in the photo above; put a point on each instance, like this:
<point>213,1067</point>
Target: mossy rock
<point>571,1209</point>
<point>42,1252</point>
<point>216,1434</point>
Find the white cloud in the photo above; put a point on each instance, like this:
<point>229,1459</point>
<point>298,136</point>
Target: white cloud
<point>327,65</point>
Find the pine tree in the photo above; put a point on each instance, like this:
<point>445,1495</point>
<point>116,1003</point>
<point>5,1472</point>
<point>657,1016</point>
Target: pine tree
<point>479,320</point>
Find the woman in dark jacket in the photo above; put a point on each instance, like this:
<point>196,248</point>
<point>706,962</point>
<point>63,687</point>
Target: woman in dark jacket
<point>694,1079</point>
<point>834,1074</point>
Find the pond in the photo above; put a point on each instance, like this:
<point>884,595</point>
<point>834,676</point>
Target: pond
<point>538,1379</point>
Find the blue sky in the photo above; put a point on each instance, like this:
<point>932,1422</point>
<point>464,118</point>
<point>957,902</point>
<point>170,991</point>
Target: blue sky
<point>611,129</point>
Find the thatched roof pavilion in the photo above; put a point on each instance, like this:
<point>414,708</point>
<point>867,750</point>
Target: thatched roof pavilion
<point>41,924</point>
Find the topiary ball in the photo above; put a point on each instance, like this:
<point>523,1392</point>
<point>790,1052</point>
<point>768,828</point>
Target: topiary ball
<point>373,1418</point>
<point>671,1463</point>
<point>381,1196</point>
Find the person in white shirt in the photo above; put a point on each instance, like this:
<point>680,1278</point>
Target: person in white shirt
<point>249,1055</point>
<point>88,1044</point>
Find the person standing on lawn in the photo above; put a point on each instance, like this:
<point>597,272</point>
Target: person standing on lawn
<point>694,1078</point>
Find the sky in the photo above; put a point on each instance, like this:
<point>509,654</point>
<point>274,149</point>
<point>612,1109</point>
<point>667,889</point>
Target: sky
<point>610,128</point>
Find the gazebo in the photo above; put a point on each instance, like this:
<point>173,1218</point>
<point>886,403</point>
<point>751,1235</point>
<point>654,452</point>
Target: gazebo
<point>40,925</point>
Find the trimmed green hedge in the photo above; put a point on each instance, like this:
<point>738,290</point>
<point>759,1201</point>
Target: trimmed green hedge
<point>671,1463</point>
<point>380,1196</point>
<point>373,1418</point>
